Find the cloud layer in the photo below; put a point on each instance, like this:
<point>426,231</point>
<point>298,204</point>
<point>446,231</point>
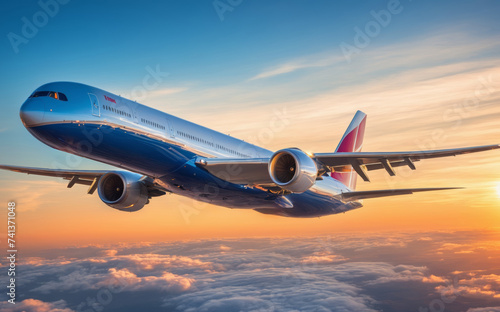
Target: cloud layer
<point>393,272</point>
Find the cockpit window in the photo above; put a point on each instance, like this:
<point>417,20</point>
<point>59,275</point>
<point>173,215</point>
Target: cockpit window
<point>40,93</point>
<point>62,97</point>
<point>55,95</point>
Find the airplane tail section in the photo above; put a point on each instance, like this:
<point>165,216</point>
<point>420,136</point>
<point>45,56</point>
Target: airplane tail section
<point>352,141</point>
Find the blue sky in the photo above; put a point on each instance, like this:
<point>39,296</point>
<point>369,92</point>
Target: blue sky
<point>415,79</point>
<point>109,44</point>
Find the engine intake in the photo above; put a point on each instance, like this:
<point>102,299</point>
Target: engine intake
<point>123,191</point>
<point>293,170</point>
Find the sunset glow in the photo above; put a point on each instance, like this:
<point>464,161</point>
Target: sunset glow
<point>277,75</point>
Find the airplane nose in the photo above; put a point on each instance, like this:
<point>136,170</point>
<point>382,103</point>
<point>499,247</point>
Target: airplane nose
<point>32,112</point>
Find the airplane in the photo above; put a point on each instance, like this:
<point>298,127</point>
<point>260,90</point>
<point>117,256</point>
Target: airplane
<point>160,153</point>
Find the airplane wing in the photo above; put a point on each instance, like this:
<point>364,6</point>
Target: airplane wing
<point>363,161</point>
<point>357,195</point>
<point>254,171</point>
<point>85,177</point>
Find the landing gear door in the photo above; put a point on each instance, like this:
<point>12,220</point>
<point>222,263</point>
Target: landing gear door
<point>96,109</point>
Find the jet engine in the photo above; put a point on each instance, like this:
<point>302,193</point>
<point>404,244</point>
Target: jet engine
<point>293,170</point>
<point>123,191</point>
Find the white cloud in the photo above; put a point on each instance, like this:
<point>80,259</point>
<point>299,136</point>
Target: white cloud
<point>478,286</point>
<point>30,194</point>
<point>322,258</point>
<point>303,63</point>
<point>433,279</point>
<point>152,261</point>
<point>131,282</point>
<point>485,309</point>
<point>338,273</point>
<point>166,91</point>
<point>418,82</point>
<point>426,50</point>
<point>110,252</point>
<point>79,279</point>
<point>34,305</point>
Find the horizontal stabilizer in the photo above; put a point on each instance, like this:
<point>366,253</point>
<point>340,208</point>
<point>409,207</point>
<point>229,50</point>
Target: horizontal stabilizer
<point>351,196</point>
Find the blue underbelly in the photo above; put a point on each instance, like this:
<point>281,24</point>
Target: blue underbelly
<point>174,168</point>
<point>114,146</point>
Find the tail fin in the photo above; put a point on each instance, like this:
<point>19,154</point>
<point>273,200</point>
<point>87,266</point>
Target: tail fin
<point>352,141</point>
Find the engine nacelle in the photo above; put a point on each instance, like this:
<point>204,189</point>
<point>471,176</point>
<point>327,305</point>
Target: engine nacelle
<point>123,190</point>
<point>293,170</point>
